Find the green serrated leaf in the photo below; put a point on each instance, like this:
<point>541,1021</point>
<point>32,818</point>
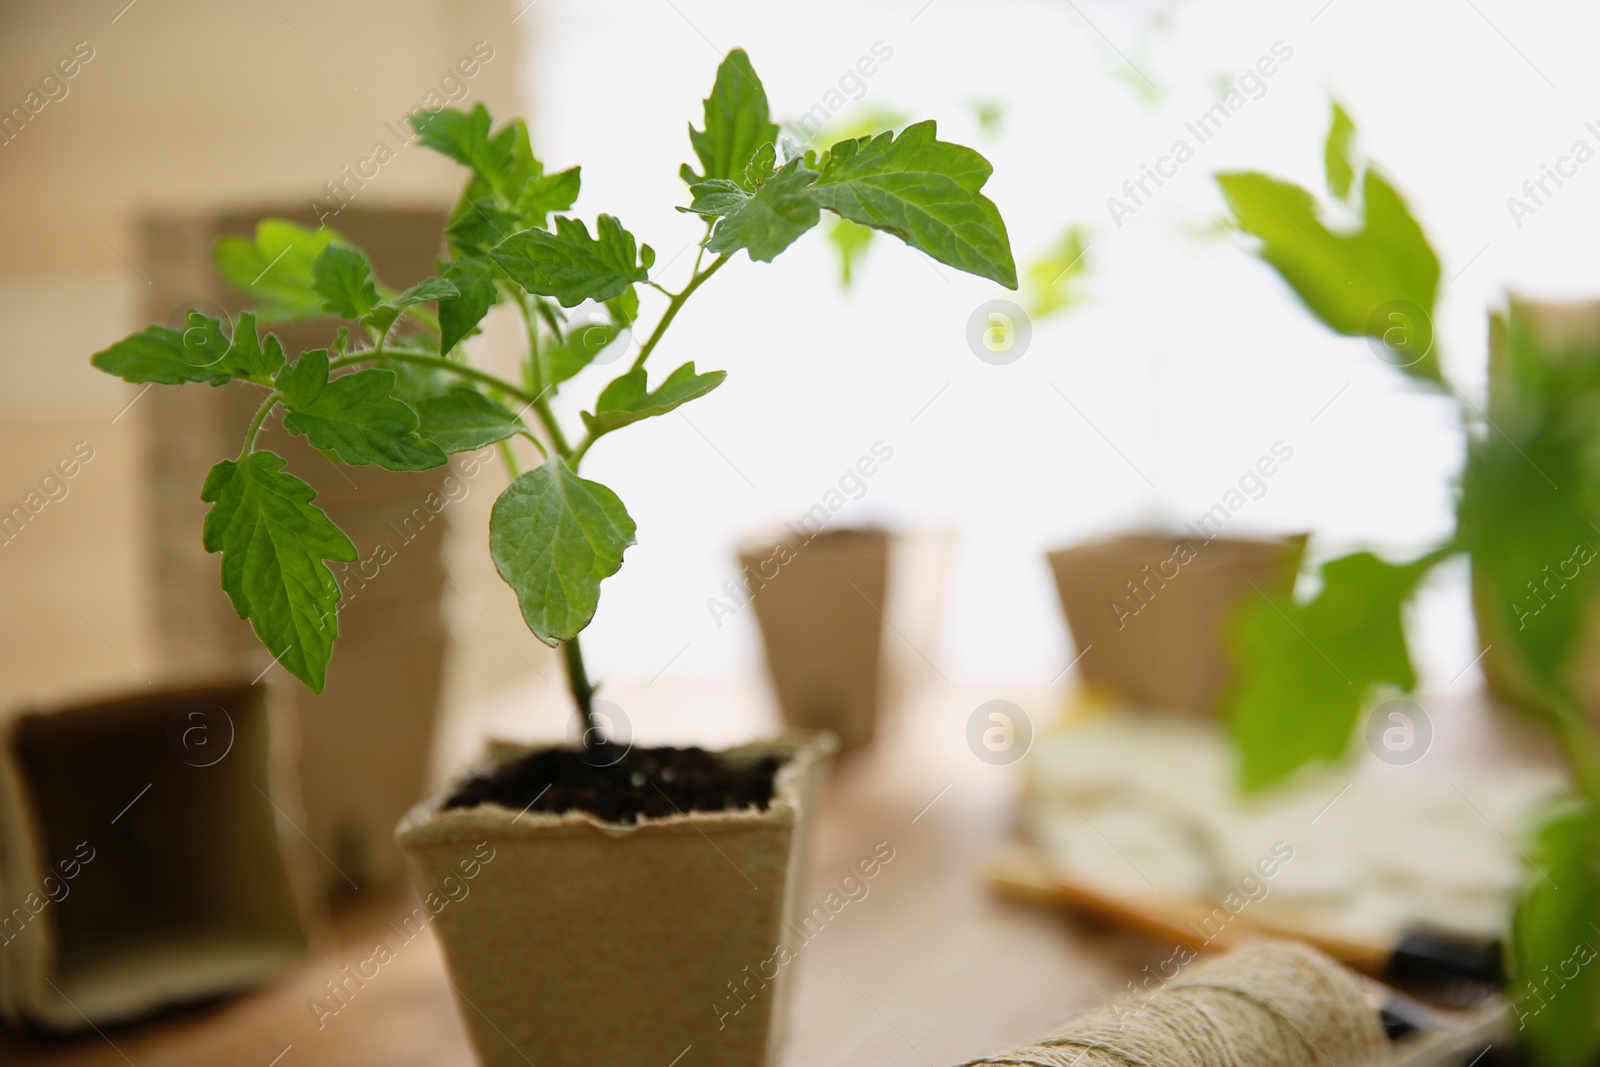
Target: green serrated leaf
<point>476,293</point>
<point>342,276</point>
<point>247,358</point>
<point>762,166</point>
<point>504,160</point>
<point>554,537</point>
<point>624,309</point>
<point>924,191</point>
<point>273,541</point>
<point>569,264</point>
<point>1379,281</point>
<point>626,400</point>
<point>772,219</point>
<point>355,416</point>
<point>513,153</point>
<point>715,198</point>
<point>1555,985</point>
<point>583,342</point>
<point>462,136</point>
<point>1336,154</point>
<point>274,267</point>
<point>737,123</point>
<point>158,354</point>
<point>463,419</point>
<point>385,314</point>
<point>547,194</point>
<point>1305,669</point>
<point>425,292</point>
<point>478,222</point>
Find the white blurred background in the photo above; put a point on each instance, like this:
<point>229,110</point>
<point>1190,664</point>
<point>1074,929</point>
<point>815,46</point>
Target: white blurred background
<point>1184,360</point>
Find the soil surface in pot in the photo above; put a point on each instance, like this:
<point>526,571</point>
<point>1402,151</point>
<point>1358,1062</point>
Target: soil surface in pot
<point>622,785</point>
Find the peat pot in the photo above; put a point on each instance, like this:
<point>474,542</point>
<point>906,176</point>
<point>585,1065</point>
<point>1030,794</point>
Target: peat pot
<point>820,601</point>
<point>366,738</point>
<point>574,941</point>
<point>149,854</point>
<point>1149,612</point>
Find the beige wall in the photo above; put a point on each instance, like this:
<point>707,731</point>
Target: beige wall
<point>193,105</point>
<point>187,103</point>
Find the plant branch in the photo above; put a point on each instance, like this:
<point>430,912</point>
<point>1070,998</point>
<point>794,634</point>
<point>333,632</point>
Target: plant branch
<point>539,398</point>
<point>450,366</point>
<point>255,424</point>
<point>583,692</point>
<point>672,310</point>
<point>678,300</point>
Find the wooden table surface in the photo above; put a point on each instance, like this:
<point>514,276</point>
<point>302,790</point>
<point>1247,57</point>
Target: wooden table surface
<point>928,969</point>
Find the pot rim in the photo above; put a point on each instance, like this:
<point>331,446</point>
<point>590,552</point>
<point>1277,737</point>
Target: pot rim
<point>428,822</point>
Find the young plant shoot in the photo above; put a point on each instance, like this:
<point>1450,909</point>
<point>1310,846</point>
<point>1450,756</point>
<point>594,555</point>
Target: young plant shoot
<point>1528,501</point>
<point>396,390</point>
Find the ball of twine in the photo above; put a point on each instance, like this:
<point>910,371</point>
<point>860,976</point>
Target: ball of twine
<point>1266,1004</point>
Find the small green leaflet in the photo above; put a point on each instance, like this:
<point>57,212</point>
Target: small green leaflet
<point>463,419</point>
<point>158,354</point>
<point>1305,669</point>
<point>342,276</point>
<point>1336,154</point>
<point>762,166</point>
<point>355,416</point>
<point>273,542</point>
<point>1379,281</point>
<point>201,352</point>
<point>737,124</point>
<point>626,400</point>
<point>461,135</point>
<point>583,342</point>
<point>716,197</point>
<point>572,266</point>
<point>851,239</point>
<point>547,194</point>
<point>554,537</point>
<point>1554,934</point>
<point>247,358</point>
<point>624,308</point>
<point>504,160</point>
<point>477,223</point>
<point>772,219</point>
<point>384,315</point>
<point>925,192</point>
<point>275,267</point>
<point>476,293</point>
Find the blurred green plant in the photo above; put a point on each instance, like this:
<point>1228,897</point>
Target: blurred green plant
<point>991,117</point>
<point>1051,282</point>
<point>554,535</point>
<point>1529,499</point>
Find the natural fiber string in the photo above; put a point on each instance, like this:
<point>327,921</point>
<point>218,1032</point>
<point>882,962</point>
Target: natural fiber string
<point>1266,1004</point>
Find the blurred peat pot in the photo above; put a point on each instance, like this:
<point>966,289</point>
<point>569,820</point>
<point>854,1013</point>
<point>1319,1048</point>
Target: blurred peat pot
<point>1149,611</point>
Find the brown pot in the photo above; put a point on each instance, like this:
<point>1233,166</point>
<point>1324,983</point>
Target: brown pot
<point>1561,327</point>
<point>149,854</point>
<point>367,737</point>
<point>572,941</point>
<point>1149,612</point>
<point>821,603</point>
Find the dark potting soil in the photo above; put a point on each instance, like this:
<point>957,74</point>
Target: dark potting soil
<point>622,785</point>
